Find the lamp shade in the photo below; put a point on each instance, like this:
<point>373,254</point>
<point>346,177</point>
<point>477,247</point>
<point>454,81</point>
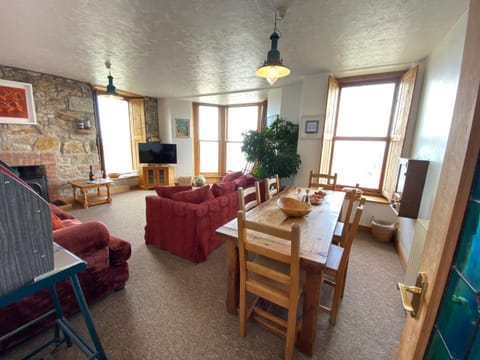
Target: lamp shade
<point>273,68</point>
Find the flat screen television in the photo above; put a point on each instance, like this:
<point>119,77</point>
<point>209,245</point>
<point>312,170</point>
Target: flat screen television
<point>157,153</point>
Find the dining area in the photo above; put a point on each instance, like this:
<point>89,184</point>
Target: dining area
<point>302,232</point>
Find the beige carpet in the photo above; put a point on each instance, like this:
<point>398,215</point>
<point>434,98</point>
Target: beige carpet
<point>173,309</point>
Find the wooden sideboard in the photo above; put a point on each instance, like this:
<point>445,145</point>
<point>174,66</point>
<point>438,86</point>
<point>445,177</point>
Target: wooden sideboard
<point>154,175</point>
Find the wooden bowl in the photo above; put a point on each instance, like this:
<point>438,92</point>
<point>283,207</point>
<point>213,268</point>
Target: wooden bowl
<point>292,207</point>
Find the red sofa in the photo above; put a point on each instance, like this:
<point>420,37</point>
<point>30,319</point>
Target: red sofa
<point>183,221</point>
<point>107,271</point>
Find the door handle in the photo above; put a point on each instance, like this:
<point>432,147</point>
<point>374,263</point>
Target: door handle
<point>412,305</point>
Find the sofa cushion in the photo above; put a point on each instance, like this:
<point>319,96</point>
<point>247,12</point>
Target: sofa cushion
<point>250,180</point>
<point>195,196</point>
<point>167,191</point>
<point>231,176</point>
<point>240,182</point>
<point>56,222</point>
<point>221,189</point>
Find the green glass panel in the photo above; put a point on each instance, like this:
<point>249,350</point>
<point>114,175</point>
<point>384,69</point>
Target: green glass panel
<point>458,315</point>
<point>475,351</point>
<point>436,350</point>
<point>476,183</point>
<point>468,249</point>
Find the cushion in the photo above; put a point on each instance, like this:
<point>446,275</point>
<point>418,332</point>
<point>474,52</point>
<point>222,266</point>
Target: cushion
<point>223,188</point>
<point>195,196</point>
<point>167,191</point>
<point>250,180</point>
<point>231,176</point>
<point>241,182</point>
<point>57,223</point>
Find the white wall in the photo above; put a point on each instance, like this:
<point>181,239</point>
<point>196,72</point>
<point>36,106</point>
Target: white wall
<point>310,145</point>
<point>168,110</point>
<point>442,71</point>
<point>436,108</point>
<point>290,110</point>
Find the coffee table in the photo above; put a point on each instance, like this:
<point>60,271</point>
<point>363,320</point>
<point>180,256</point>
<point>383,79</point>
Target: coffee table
<point>84,185</point>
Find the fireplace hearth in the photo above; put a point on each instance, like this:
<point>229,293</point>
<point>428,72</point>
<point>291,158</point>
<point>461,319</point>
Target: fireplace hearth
<point>36,177</point>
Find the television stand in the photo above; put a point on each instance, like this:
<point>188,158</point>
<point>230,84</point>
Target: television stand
<point>155,175</point>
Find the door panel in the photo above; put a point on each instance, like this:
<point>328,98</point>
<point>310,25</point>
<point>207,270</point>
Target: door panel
<point>452,195</point>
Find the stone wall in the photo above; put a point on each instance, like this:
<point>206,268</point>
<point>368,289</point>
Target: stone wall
<point>60,105</point>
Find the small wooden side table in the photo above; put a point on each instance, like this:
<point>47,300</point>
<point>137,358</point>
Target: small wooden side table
<point>84,185</point>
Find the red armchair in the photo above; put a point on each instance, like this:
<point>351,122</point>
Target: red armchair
<point>106,256</point>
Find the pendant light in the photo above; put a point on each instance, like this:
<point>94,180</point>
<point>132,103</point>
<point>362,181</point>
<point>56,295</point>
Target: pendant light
<point>273,68</point>
<point>111,90</point>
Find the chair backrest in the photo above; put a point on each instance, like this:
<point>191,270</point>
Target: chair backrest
<point>347,240</point>
<point>272,247</point>
<point>273,274</point>
<point>326,181</point>
<point>353,195</point>
<point>248,198</point>
<point>272,186</point>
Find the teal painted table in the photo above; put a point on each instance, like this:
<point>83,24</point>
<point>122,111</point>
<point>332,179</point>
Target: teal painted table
<point>67,266</point>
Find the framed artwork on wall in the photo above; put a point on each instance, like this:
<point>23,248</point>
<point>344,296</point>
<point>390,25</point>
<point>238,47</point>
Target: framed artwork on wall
<point>16,103</point>
<point>310,127</point>
<point>182,128</point>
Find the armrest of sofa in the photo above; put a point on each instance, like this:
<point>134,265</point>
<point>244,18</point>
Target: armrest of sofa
<point>63,215</point>
<point>83,239</point>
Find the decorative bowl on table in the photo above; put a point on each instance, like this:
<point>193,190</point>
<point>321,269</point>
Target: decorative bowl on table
<point>292,207</point>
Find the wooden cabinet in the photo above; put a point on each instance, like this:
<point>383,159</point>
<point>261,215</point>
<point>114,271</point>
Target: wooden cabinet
<point>154,175</point>
<point>409,187</point>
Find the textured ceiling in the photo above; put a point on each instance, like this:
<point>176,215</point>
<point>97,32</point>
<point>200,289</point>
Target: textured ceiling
<point>190,48</point>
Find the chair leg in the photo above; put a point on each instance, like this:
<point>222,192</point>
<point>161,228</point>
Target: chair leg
<point>344,281</point>
<point>336,298</point>
<point>291,335</point>
<point>242,315</point>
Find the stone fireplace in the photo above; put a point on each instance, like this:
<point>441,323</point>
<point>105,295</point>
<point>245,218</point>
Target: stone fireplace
<point>33,167</point>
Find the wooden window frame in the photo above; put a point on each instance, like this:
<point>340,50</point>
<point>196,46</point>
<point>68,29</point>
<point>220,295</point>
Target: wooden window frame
<point>401,106</point>
<point>222,140</point>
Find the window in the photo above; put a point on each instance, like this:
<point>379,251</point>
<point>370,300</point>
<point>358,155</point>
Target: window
<point>218,136</point>
<point>121,128</point>
<point>364,129</point>
<point>115,130</point>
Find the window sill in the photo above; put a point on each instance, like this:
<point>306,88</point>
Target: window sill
<point>376,199</point>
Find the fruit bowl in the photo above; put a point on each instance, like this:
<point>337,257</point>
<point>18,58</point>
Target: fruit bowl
<point>292,207</point>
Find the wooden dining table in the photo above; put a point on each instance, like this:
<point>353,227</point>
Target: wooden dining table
<point>317,230</point>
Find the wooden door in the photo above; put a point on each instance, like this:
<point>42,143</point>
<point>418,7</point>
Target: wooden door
<point>452,195</point>
<point>136,108</point>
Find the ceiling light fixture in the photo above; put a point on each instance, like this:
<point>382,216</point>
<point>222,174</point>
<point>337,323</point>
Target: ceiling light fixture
<point>111,90</point>
<point>273,68</point>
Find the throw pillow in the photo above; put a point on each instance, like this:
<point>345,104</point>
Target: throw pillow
<point>251,179</point>
<point>231,176</point>
<point>195,196</point>
<point>167,191</point>
<point>223,188</point>
<point>56,222</point>
<point>240,182</point>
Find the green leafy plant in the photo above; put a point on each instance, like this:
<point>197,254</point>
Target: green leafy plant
<point>274,149</point>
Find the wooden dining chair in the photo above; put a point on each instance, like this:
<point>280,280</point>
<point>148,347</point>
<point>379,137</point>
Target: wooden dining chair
<point>328,182</point>
<point>248,198</point>
<point>335,271</point>
<point>353,195</point>
<point>272,186</point>
<point>273,275</point>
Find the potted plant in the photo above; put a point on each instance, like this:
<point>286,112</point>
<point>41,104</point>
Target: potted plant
<point>274,149</point>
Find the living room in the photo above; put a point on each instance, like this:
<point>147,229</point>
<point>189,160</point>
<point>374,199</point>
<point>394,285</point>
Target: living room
<point>62,101</point>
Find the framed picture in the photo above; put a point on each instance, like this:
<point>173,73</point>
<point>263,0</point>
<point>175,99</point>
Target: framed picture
<point>182,128</point>
<point>16,103</point>
<point>311,126</point>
